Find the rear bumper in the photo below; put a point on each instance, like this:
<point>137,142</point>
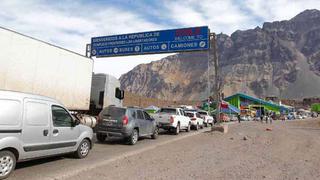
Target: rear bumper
<point>116,132</point>
<point>194,123</point>
<point>165,125</point>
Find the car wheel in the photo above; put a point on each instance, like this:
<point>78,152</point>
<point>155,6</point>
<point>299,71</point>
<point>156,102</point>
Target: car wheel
<point>133,139</point>
<point>177,129</point>
<point>83,149</point>
<point>155,133</point>
<point>189,127</point>
<point>201,127</point>
<point>206,125</point>
<point>101,137</point>
<point>7,163</point>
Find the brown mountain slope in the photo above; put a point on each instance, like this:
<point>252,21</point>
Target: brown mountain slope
<point>282,58</point>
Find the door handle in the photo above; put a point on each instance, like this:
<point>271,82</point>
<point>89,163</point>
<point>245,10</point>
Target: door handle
<point>55,131</point>
<point>45,132</point>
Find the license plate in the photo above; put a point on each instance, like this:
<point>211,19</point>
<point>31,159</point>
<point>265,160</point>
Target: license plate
<point>109,122</point>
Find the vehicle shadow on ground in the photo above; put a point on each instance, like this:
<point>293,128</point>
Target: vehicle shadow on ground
<point>21,165</point>
<point>120,141</point>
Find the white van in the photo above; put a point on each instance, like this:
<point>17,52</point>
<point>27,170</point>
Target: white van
<point>33,126</point>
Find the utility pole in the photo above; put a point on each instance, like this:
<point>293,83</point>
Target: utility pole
<point>217,88</point>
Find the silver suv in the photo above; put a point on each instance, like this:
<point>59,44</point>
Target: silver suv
<point>129,123</point>
<point>33,126</point>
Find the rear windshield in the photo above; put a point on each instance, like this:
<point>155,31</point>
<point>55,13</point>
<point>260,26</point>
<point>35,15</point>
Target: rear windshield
<point>169,111</point>
<point>113,112</point>
<point>189,114</point>
<point>202,113</point>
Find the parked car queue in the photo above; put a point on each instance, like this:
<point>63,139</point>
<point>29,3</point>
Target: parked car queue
<point>33,126</point>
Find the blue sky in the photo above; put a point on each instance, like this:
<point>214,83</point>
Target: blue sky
<point>71,23</point>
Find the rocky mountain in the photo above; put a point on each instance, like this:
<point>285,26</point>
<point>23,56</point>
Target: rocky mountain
<point>280,59</point>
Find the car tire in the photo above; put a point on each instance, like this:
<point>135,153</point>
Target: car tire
<point>133,138</point>
<point>188,128</point>
<point>83,149</point>
<point>177,129</point>
<point>8,163</point>
<point>206,125</point>
<point>155,133</point>
<point>101,137</point>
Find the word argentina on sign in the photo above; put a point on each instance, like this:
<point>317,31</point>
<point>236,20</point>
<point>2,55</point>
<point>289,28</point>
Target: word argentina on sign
<point>166,41</point>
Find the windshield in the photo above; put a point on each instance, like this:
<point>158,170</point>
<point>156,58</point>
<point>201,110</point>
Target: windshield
<point>168,110</point>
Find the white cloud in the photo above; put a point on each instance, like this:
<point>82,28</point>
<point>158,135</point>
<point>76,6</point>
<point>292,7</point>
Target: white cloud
<point>71,25</point>
<point>220,15</point>
<point>276,10</point>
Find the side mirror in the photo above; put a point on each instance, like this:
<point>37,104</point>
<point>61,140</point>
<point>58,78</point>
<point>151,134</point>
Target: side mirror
<point>119,93</point>
<point>75,121</point>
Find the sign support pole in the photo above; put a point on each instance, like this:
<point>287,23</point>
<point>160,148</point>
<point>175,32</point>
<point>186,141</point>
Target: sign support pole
<point>209,84</point>
<point>217,89</point>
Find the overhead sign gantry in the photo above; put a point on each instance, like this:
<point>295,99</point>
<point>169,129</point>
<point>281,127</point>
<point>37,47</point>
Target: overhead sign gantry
<point>153,42</point>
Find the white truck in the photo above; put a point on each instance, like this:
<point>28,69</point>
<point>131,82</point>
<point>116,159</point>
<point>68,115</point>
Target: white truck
<point>32,66</point>
<point>172,119</point>
<point>103,92</point>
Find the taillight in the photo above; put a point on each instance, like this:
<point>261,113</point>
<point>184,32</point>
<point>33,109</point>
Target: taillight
<point>193,119</point>
<point>171,120</point>
<point>125,120</point>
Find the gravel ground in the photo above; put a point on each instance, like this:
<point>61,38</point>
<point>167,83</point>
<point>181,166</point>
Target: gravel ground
<point>291,150</point>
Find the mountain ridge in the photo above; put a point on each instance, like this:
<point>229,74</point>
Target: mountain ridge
<point>281,58</point>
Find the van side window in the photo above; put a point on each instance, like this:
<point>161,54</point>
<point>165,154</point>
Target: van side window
<point>61,117</point>
<point>36,113</point>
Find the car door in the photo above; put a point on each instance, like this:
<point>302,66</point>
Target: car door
<point>184,120</point>
<point>149,123</point>
<point>200,120</point>
<point>36,128</point>
<point>64,133</point>
<point>142,123</point>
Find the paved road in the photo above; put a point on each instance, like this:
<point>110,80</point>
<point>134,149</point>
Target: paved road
<point>280,151</point>
<point>64,167</point>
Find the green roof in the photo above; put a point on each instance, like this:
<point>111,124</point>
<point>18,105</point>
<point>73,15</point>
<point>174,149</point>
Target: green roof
<point>260,101</point>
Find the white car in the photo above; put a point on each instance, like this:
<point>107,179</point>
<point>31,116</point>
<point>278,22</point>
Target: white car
<point>172,119</point>
<point>196,120</point>
<point>207,119</point>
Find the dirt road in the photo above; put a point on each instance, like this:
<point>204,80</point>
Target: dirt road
<point>290,151</point>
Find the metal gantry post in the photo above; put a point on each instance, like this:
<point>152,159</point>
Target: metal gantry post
<point>209,84</point>
<point>217,78</point>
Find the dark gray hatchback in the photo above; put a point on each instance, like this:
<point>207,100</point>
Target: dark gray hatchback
<point>130,123</point>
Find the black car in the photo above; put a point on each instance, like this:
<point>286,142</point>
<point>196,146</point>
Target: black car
<point>129,123</point>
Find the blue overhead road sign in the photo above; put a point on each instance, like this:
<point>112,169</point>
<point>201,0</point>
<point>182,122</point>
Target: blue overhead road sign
<point>166,41</point>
